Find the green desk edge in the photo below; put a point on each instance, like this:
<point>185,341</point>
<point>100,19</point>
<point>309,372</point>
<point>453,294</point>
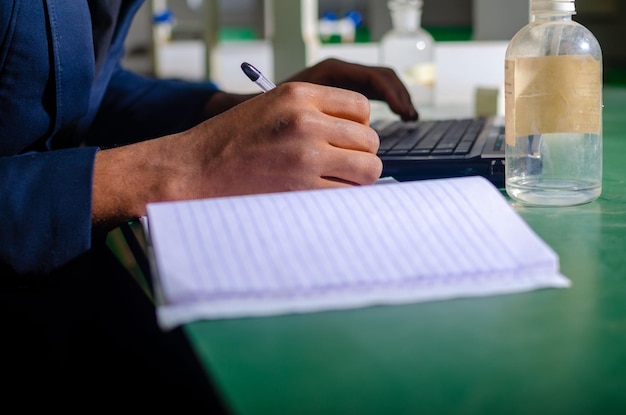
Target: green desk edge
<point>555,351</point>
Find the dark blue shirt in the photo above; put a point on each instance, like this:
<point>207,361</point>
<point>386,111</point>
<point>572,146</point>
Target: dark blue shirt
<point>64,95</point>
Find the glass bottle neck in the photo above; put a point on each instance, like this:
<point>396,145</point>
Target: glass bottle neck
<point>551,17</point>
<point>406,20</point>
<point>406,15</point>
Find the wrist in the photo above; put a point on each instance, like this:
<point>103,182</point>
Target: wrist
<point>125,180</point>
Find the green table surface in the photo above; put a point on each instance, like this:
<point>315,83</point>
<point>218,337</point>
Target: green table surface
<point>553,351</point>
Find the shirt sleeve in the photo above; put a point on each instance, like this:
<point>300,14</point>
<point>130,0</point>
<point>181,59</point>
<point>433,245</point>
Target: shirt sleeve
<point>40,233</point>
<point>137,107</point>
<point>46,196</point>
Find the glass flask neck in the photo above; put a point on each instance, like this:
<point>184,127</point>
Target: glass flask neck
<point>406,15</point>
<point>551,17</point>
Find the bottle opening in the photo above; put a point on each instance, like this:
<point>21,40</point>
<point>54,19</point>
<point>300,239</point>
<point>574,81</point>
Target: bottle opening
<point>401,5</point>
<point>541,6</point>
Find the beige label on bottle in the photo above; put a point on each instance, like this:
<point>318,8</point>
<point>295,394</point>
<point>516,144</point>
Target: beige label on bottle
<point>552,94</point>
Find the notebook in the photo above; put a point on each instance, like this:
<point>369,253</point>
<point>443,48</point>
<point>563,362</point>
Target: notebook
<point>446,148</point>
<point>331,249</point>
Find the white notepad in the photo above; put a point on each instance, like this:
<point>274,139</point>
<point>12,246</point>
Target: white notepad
<point>317,250</point>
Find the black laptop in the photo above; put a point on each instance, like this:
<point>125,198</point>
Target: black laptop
<point>432,149</point>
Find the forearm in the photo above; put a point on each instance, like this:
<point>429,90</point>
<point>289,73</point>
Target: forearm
<point>129,177</point>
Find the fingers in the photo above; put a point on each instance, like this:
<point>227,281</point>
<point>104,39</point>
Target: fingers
<point>382,83</point>
<point>394,93</point>
<point>344,136</point>
<point>379,83</point>
<point>345,152</point>
<point>343,133</point>
<point>351,167</point>
<point>336,102</point>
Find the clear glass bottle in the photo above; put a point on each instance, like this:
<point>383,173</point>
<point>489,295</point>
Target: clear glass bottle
<point>553,106</point>
<point>409,50</point>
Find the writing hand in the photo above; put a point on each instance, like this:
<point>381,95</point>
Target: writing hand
<point>296,136</point>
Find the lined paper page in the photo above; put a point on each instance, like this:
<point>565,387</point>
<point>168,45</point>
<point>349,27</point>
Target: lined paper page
<point>330,249</point>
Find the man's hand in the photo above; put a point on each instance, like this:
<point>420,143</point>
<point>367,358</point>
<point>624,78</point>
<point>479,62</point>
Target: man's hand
<point>296,136</point>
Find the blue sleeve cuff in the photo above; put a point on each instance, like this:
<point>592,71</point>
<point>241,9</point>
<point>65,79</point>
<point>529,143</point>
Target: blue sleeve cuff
<point>46,207</point>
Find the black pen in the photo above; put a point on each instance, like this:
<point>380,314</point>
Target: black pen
<point>257,77</point>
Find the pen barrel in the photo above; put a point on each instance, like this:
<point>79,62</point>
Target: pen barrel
<point>265,84</point>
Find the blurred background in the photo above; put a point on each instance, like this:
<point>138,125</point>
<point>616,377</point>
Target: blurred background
<point>208,39</point>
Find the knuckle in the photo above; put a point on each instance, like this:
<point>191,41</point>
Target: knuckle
<point>293,91</point>
<point>362,102</point>
<point>330,62</point>
<point>292,123</point>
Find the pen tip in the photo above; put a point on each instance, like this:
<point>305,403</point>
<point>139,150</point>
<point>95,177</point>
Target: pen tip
<point>250,71</point>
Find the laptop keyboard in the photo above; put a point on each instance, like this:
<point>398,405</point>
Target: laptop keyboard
<point>426,138</point>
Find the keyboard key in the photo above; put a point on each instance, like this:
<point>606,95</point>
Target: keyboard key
<point>436,134</point>
<point>451,138</point>
<point>440,137</point>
